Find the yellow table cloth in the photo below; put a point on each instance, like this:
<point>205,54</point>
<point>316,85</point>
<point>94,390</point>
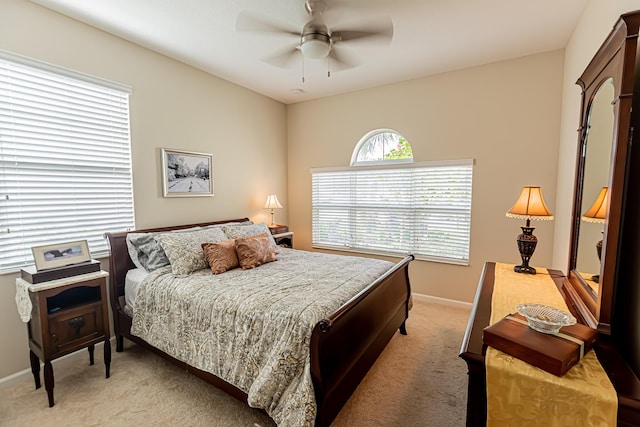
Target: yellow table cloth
<point>519,394</point>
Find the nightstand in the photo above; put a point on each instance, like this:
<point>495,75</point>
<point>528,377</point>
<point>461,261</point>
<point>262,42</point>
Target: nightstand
<point>282,235</point>
<point>278,229</point>
<point>284,239</point>
<point>67,315</point>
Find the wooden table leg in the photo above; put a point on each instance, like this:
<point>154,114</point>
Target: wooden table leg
<point>403,328</point>
<point>35,368</point>
<point>107,357</point>
<point>91,348</point>
<point>48,381</point>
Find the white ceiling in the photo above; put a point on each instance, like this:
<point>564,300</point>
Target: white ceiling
<point>430,36</point>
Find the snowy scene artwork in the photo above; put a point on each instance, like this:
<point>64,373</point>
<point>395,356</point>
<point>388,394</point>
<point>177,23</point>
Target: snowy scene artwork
<point>60,254</point>
<point>186,173</point>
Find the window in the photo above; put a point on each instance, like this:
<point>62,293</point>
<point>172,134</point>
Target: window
<point>65,161</point>
<point>382,146</point>
<point>396,208</point>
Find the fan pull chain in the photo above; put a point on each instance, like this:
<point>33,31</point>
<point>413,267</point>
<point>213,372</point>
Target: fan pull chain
<point>302,68</point>
<point>328,66</point>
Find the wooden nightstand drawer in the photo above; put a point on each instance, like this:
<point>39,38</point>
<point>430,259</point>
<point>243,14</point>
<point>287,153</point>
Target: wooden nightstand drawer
<point>72,328</point>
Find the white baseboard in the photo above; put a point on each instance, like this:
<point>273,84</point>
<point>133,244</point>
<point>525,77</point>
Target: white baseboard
<point>445,301</point>
<point>61,361</point>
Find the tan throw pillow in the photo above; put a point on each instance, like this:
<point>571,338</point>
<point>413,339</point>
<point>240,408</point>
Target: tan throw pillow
<point>221,256</point>
<point>255,250</point>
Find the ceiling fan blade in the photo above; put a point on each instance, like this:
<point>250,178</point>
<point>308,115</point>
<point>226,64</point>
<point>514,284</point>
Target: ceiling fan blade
<point>284,57</point>
<point>382,33</point>
<point>252,23</point>
<point>340,61</point>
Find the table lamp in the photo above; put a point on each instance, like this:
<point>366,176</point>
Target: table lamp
<point>530,205</point>
<point>272,203</point>
<point>597,213</point>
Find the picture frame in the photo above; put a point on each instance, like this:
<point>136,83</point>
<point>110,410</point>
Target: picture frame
<point>186,173</point>
<point>60,254</point>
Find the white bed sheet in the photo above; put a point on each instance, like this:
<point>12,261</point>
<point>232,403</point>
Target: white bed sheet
<point>132,282</point>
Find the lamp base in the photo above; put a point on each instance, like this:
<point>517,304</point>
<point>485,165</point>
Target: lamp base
<point>524,269</point>
<point>596,277</point>
<point>526,245</point>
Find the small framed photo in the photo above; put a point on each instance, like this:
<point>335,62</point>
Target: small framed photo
<point>186,173</point>
<point>61,254</point>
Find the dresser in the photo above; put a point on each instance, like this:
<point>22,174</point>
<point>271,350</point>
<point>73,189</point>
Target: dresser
<point>473,351</point>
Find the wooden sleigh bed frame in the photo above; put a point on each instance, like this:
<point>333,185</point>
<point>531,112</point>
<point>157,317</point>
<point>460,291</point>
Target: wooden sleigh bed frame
<point>344,346</point>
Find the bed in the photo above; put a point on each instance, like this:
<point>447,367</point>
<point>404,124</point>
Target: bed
<point>340,344</point>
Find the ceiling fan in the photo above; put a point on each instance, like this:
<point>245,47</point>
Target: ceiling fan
<point>316,40</point>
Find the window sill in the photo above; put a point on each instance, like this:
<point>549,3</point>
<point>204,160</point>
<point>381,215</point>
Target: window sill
<point>391,254</point>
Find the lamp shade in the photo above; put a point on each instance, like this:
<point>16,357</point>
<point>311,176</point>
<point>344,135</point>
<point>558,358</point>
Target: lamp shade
<point>598,211</point>
<point>530,205</point>
<point>272,202</point>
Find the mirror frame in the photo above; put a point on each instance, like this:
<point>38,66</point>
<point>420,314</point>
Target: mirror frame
<point>615,59</point>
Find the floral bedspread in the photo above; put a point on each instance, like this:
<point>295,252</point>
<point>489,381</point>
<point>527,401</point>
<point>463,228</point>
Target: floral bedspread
<point>252,328</point>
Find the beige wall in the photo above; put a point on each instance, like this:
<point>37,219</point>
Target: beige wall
<point>504,115</point>
<point>172,106</point>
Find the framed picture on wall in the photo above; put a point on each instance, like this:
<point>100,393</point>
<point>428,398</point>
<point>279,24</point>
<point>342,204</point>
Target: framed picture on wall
<point>60,254</point>
<point>186,173</point>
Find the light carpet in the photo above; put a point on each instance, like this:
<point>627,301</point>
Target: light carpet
<point>418,380</point>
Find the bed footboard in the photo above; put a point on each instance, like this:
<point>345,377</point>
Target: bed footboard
<point>345,345</point>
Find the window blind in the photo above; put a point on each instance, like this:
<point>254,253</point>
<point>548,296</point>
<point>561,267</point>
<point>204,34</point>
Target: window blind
<point>421,208</point>
<point>65,161</point>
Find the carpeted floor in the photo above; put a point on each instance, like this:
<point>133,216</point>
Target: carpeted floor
<point>418,380</point>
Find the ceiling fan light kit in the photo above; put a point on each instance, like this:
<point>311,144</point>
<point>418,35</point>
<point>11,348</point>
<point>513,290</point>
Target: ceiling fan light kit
<point>315,45</point>
<point>316,41</point>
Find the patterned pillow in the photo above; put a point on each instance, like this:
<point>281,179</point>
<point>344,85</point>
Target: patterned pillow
<point>227,224</point>
<point>184,250</point>
<point>235,231</point>
<point>221,256</point>
<point>145,251</point>
<point>255,250</point>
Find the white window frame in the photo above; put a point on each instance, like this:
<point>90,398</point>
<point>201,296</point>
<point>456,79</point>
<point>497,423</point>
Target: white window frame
<point>355,210</point>
<point>65,159</point>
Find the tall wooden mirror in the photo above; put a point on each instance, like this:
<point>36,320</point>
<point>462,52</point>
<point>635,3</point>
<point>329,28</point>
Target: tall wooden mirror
<point>603,144</point>
<point>595,156</point>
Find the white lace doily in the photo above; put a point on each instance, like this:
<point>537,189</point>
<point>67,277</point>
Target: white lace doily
<point>22,300</point>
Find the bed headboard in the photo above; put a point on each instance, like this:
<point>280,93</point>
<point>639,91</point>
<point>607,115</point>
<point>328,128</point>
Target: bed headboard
<point>120,261</point>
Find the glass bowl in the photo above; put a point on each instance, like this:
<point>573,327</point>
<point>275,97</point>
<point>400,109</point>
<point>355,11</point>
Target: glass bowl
<point>545,319</point>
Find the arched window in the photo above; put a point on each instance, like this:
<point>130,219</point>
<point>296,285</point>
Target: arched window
<point>385,203</point>
<point>382,145</point>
